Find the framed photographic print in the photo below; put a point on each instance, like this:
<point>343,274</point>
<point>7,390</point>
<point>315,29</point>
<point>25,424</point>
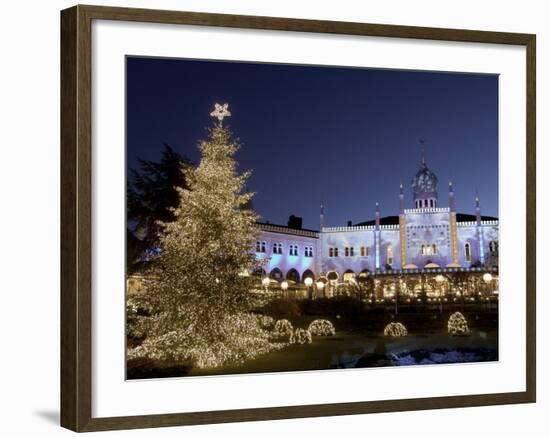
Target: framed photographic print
<point>267,218</point>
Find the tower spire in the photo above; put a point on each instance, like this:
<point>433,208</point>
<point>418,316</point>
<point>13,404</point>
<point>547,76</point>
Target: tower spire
<point>322,217</point>
<point>401,198</point>
<point>478,208</point>
<point>423,153</point>
<point>451,197</point>
<point>452,227</point>
<point>480,238</point>
<point>377,238</point>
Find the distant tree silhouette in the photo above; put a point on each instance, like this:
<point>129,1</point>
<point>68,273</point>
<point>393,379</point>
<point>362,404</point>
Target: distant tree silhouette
<point>151,195</point>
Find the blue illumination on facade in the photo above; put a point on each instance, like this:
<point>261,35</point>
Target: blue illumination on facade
<point>428,236</point>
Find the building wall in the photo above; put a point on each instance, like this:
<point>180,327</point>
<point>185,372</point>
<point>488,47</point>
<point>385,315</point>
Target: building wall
<point>428,227</point>
<point>468,233</point>
<point>285,262</point>
<point>422,227</point>
<point>348,237</point>
<point>390,237</point>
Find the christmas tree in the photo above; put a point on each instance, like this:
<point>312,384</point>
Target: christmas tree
<point>202,295</point>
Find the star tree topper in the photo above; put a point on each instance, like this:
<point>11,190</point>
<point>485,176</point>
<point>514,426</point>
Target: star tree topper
<point>220,112</point>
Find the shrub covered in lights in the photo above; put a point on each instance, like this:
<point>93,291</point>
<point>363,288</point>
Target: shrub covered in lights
<point>321,327</point>
<point>266,322</point>
<point>282,328</point>
<point>395,329</point>
<point>300,336</point>
<point>457,324</point>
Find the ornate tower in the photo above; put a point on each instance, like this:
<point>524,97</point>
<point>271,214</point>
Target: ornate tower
<point>321,249</point>
<point>402,227</point>
<point>424,186</point>
<point>479,231</point>
<point>452,228</point>
<point>377,237</point>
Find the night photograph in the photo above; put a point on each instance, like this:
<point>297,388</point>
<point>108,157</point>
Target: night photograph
<point>303,218</point>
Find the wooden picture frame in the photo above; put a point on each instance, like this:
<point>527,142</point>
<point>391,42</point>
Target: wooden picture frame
<point>76,217</point>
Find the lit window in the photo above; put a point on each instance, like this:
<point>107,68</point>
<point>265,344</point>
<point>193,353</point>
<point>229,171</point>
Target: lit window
<point>468,252</point>
<point>389,255</point>
<point>428,249</point>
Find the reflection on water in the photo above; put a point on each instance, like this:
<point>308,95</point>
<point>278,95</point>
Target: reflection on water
<point>415,350</point>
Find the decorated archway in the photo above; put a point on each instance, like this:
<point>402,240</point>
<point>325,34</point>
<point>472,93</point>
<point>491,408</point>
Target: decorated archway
<point>276,274</point>
<point>293,275</point>
<point>307,274</point>
<point>332,276</point>
<point>349,276</point>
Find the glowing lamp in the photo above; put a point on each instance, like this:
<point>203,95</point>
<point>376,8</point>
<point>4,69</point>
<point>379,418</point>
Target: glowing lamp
<point>284,285</point>
<point>265,281</point>
<point>320,285</point>
<point>487,277</point>
<point>439,278</point>
<point>308,281</point>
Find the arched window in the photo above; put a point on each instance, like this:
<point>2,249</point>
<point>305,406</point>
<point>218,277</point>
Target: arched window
<point>364,251</point>
<point>389,255</point>
<point>332,251</point>
<point>293,250</point>
<point>468,252</point>
<point>434,249</point>
<point>261,246</point>
<point>423,250</point>
<point>493,246</point>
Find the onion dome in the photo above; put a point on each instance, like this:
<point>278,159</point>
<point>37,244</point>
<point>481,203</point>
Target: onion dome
<point>425,181</point>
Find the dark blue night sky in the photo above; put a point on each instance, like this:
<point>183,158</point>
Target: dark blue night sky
<point>346,136</point>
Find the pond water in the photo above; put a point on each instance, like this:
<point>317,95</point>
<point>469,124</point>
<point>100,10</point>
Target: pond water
<point>356,349</point>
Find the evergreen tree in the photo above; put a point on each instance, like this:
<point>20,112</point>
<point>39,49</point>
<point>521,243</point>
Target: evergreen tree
<point>202,293</point>
<point>152,194</point>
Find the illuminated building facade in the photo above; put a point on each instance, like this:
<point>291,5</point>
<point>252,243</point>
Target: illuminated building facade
<point>428,237</point>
